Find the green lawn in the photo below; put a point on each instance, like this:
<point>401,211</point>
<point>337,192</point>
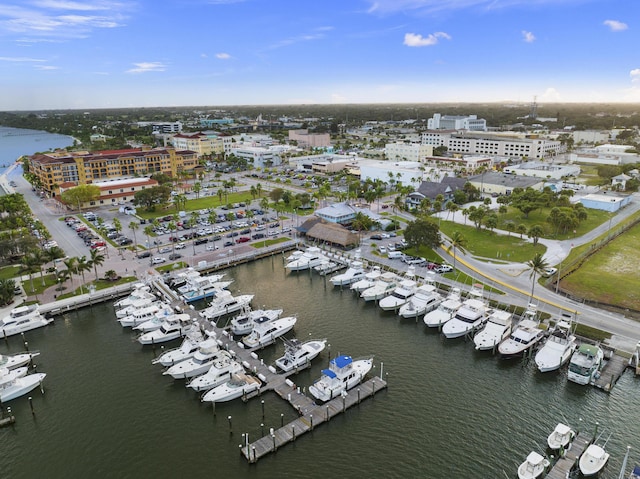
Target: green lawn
<point>9,272</point>
<point>485,244</point>
<point>204,202</point>
<point>269,242</point>
<point>100,284</point>
<point>611,275</point>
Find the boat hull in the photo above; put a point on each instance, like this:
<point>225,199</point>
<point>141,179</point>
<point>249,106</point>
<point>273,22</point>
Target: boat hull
<point>22,386</point>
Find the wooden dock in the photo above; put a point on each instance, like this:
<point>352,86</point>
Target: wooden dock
<point>565,464</point>
<point>311,415</point>
<point>611,372</point>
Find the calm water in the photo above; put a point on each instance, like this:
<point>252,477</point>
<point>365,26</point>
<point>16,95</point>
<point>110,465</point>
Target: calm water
<point>15,142</point>
<point>448,412</point>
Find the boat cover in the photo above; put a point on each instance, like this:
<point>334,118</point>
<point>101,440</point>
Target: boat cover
<point>342,361</point>
<point>329,373</point>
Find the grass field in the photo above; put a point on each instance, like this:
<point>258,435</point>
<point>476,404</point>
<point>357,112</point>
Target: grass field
<point>203,202</point>
<point>611,275</point>
<point>485,244</point>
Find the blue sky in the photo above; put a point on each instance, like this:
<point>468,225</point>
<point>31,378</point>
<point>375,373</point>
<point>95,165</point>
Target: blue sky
<point>104,53</point>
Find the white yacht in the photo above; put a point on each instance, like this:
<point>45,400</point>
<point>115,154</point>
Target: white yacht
<point>593,460</point>
<point>560,437</point>
<point>399,296</point>
<point>585,364</point>
<point>425,300</point>
<point>140,291</point>
<point>145,314</point>
<point>135,305</point>
<point>343,374</point>
<point>165,315</point>
<point>186,350</point>
<point>225,303</point>
<point>326,267</point>
<point>354,272</point>
<point>533,467</point>
<point>557,348</point>
<point>238,386</point>
<point>173,327</point>
<point>199,287</point>
<point>367,281</point>
<point>266,333</point>
<point>298,354</point>
<point>244,323</point>
<point>208,351</point>
<point>381,288</point>
<point>223,367</point>
<point>496,329</point>
<point>23,319</point>
<point>469,317</point>
<point>17,383</point>
<point>310,258</point>
<point>523,338</point>
<point>12,361</point>
<point>445,310</point>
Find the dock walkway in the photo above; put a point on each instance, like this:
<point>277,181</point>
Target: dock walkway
<point>611,372</point>
<point>566,463</point>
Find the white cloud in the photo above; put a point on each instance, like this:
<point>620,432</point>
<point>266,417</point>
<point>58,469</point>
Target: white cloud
<point>145,67</point>
<point>635,75</point>
<point>615,25</point>
<point>338,98</point>
<point>386,7</point>
<point>20,59</point>
<point>222,56</point>
<point>46,67</point>
<point>528,36</point>
<point>70,5</point>
<point>417,40</point>
<point>551,95</point>
<point>293,40</point>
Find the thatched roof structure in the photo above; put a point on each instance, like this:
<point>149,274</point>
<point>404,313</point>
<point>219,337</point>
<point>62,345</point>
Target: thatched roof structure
<point>333,234</point>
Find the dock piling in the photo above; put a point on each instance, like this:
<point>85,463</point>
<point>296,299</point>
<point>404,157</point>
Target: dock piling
<point>230,428</point>
<point>33,413</point>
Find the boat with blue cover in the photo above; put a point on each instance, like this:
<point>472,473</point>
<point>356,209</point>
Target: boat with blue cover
<point>342,374</point>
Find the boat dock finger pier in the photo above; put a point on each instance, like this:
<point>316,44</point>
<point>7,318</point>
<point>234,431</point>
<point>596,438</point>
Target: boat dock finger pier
<point>311,415</point>
<point>566,463</point>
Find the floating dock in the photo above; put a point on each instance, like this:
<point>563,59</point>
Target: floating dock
<point>565,464</point>
<point>311,415</point>
<point>611,372</point>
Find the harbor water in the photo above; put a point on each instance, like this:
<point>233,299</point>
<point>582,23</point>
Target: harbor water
<point>16,142</point>
<point>448,412</point>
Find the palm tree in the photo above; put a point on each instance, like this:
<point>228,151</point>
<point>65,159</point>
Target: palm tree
<point>29,265</point>
<point>458,241</point>
<point>82,265</point>
<point>259,189</point>
<point>537,265</point>
<point>133,226</point>
<point>70,263</point>
<point>148,231</point>
<point>97,259</point>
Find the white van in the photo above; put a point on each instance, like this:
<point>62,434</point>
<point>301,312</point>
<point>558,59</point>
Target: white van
<point>395,255</point>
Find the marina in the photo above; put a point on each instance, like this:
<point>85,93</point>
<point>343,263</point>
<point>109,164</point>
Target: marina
<point>407,348</point>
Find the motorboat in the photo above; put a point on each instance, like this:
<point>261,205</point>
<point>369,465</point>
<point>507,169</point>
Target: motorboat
<point>238,386</point>
<point>173,327</point>
<point>243,323</point>
<point>297,354</point>
<point>592,460</point>
<point>367,281</point>
<point>13,361</point>
<point>557,348</point>
<point>219,373</point>
<point>381,288</point>
<point>533,467</point>
<point>135,305</point>
<point>140,291</point>
<point>469,317</point>
<point>326,267</point>
<point>16,383</point>
<point>635,474</point>
<point>399,296</point>
<point>163,316</point>
<point>185,280</point>
<point>585,364</point>
<point>560,437</point>
<point>266,333</point>
<point>23,319</point>
<point>522,339</point>
<point>202,287</point>
<point>496,329</point>
<point>310,258</point>
<point>186,350</point>
<point>225,303</point>
<point>445,310</point>
<point>208,351</point>
<point>354,272</point>
<point>145,314</point>
<point>425,300</point>
<point>343,374</point>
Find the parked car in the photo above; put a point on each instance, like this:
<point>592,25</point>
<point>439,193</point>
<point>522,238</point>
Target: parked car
<point>211,247</point>
<point>158,260</point>
<point>200,241</point>
<point>228,243</point>
<point>174,256</point>
<point>243,239</point>
<point>258,236</point>
<point>144,254</point>
<point>164,249</point>
<point>376,237</point>
<point>181,246</point>
<point>549,272</point>
<point>443,268</point>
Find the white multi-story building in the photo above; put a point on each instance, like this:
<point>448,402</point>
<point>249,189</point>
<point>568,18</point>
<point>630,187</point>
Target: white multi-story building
<point>515,147</point>
<point>407,151</point>
<point>324,163</point>
<point>257,156</point>
<point>455,122</point>
<point>405,172</point>
<point>310,140</point>
<point>437,137</point>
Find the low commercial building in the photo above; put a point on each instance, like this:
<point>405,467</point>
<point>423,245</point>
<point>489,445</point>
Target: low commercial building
<point>258,157</point>
<point>323,163</point>
<point>316,229</point>
<point>543,170</point>
<point>429,189</point>
<point>407,151</point>
<point>304,139</point>
<point>409,173</point>
<point>114,192</point>
<point>494,183</point>
<point>605,202</point>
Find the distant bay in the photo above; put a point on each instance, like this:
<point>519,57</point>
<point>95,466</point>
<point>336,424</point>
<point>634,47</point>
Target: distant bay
<point>16,142</point>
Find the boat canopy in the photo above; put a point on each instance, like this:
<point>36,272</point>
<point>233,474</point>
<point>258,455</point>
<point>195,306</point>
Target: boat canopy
<point>534,458</point>
<point>562,429</point>
<point>329,373</point>
<point>342,361</point>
